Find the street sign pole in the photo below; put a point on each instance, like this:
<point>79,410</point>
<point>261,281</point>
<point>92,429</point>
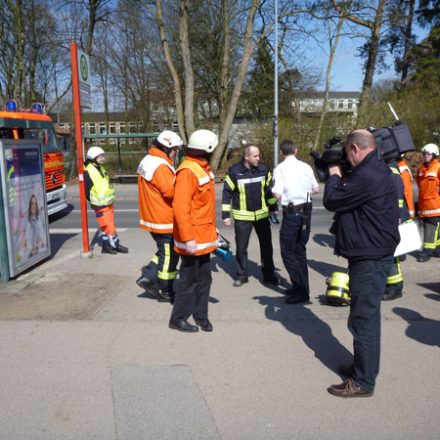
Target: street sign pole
<point>79,149</point>
<point>275,81</point>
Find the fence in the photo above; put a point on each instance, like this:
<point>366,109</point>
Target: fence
<point>135,156</point>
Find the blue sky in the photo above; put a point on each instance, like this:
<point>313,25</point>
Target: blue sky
<point>347,72</point>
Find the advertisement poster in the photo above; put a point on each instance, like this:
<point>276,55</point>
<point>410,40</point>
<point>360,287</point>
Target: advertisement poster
<point>25,204</point>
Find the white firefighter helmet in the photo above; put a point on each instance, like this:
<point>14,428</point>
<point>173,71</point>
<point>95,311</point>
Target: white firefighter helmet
<point>204,140</point>
<point>94,152</point>
<point>169,139</point>
<point>430,148</point>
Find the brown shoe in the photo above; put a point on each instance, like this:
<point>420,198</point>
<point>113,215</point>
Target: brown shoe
<point>349,388</point>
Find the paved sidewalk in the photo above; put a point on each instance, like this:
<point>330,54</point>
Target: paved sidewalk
<point>84,354</point>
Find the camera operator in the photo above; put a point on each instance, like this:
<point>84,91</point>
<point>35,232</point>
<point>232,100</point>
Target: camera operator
<point>366,227</point>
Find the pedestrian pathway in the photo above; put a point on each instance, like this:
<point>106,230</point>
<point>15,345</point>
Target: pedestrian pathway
<point>85,354</point>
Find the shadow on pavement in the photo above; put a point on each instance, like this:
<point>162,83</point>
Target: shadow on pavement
<point>147,295</point>
<point>435,287</point>
<point>59,215</point>
<point>432,296</point>
<point>254,270</point>
<point>57,241</point>
<point>316,334</point>
<point>325,240</point>
<point>421,329</point>
<point>325,269</point>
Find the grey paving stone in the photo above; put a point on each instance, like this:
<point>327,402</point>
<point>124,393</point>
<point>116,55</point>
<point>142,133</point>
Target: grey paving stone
<point>160,402</point>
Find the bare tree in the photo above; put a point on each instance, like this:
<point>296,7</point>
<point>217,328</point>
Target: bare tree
<point>185,114</point>
<point>248,47</point>
<point>374,26</point>
<point>172,68</point>
<point>187,65</point>
<point>333,40</point>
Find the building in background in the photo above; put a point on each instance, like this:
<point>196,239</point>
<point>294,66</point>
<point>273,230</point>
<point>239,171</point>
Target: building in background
<point>339,102</point>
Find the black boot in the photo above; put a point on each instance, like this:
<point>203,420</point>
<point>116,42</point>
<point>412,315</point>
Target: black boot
<point>163,296</point>
<point>423,256</point>
<point>121,249</point>
<point>107,248</point>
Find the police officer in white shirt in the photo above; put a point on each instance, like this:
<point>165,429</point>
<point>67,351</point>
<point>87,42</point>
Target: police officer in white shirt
<point>294,185</point>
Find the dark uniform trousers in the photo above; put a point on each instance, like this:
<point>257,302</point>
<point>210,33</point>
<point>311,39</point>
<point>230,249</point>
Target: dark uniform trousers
<point>243,231</point>
<point>192,290</point>
<point>367,284</point>
<point>162,268</point>
<point>294,235</point>
<point>431,240</point>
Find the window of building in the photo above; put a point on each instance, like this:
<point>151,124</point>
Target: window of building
<point>340,104</point>
<point>112,128</point>
<point>132,127</point>
<point>92,129</point>
<point>122,127</point>
<point>102,128</point>
<point>350,104</point>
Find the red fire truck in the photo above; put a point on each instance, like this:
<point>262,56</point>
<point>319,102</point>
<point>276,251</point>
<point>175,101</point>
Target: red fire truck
<point>34,124</point>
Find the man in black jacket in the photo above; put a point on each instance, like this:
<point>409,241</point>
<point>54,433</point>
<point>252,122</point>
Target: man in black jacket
<point>247,195</point>
<point>366,228</point>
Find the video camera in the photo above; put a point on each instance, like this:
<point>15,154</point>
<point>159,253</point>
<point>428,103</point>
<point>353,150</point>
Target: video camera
<point>391,142</point>
<point>334,153</point>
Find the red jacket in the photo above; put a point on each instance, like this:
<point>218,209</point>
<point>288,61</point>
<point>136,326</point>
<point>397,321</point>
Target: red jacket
<point>194,207</point>
<point>156,178</point>
<point>428,180</point>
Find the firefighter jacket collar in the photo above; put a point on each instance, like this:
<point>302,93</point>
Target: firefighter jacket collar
<point>243,168</point>
<point>152,161</point>
<point>154,151</point>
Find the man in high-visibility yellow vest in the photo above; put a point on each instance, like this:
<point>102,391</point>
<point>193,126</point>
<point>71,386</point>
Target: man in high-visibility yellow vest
<point>101,195</point>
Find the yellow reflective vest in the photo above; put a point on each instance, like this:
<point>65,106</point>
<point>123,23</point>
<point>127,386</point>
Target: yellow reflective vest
<point>102,192</point>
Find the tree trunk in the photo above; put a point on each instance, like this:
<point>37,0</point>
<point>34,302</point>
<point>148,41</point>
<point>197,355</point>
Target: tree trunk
<point>224,73</point>
<point>333,42</point>
<point>232,108</point>
<point>187,66</point>
<point>20,47</point>
<point>408,33</point>
<point>173,71</point>
<point>373,48</point>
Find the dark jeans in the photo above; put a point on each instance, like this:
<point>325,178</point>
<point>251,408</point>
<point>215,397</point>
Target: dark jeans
<point>367,285</point>
<point>243,231</point>
<point>192,290</point>
<point>294,235</point>
<point>162,267</point>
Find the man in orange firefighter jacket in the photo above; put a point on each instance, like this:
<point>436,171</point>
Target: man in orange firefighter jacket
<point>428,181</point>
<point>195,233</point>
<point>101,195</point>
<point>156,178</point>
<point>407,179</point>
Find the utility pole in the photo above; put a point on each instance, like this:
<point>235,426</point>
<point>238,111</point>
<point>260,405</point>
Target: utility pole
<point>275,78</point>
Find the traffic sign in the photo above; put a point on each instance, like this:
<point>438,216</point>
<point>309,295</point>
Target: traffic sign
<point>85,84</point>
